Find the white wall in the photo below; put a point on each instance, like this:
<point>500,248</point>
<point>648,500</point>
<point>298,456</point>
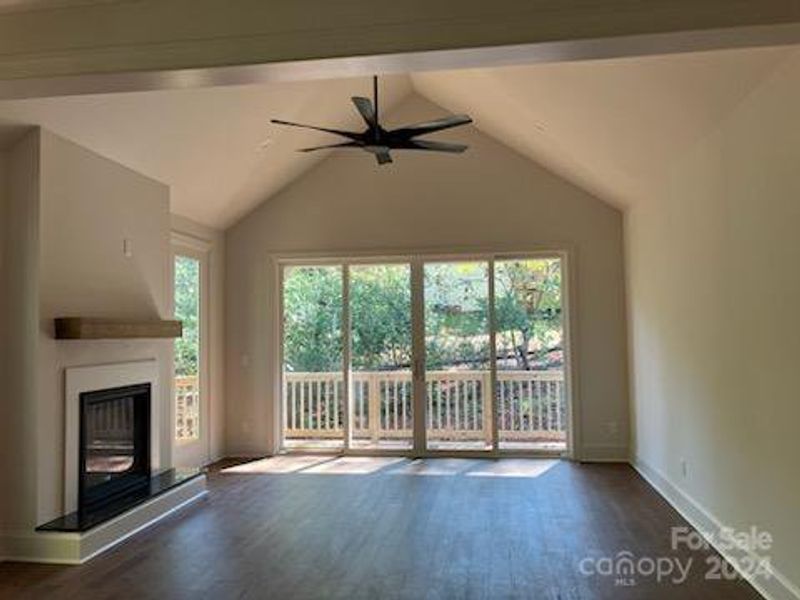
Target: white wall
<point>88,206</point>
<point>4,409</point>
<point>488,198</point>
<point>714,295</point>
<point>215,335</point>
<point>19,321</point>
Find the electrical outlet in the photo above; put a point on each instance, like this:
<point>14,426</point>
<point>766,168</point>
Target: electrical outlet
<point>127,248</point>
<point>684,468</point>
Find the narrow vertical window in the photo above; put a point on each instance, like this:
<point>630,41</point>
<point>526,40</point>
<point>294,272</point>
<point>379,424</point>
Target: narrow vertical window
<point>187,349</point>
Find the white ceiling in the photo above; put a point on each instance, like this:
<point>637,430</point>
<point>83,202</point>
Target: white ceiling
<point>609,126</point>
<point>612,125</point>
<point>207,144</point>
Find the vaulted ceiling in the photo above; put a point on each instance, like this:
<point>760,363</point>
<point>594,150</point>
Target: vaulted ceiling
<point>610,126</point>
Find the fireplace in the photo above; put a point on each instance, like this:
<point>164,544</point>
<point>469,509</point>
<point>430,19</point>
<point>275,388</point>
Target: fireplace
<point>114,480</point>
<point>114,444</point>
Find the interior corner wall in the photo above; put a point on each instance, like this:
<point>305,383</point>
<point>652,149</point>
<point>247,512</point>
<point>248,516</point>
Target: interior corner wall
<point>19,323</point>
<point>4,401</point>
<point>489,198</point>
<point>714,293</point>
<point>215,338</point>
<point>88,206</point>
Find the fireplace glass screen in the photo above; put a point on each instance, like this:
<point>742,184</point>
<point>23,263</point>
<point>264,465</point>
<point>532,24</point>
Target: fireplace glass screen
<point>115,443</point>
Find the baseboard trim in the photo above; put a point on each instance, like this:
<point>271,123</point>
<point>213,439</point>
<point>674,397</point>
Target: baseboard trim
<point>590,453</point>
<point>246,454</point>
<point>776,587</point>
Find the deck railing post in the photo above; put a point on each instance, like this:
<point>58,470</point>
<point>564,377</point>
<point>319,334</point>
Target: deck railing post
<point>488,406</point>
<point>374,396</point>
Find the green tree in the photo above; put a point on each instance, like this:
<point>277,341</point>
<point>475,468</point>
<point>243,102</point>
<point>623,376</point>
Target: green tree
<point>456,315</point>
<point>380,313</point>
<point>187,310</point>
<point>528,310</point>
<point>312,327</point>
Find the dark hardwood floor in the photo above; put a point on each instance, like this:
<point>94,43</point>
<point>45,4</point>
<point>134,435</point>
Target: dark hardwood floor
<point>372,528</point>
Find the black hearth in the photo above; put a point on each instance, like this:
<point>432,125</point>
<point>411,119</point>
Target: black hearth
<point>114,450</point>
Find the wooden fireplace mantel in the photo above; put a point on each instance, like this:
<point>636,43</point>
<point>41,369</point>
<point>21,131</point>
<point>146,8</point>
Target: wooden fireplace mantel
<point>85,328</point>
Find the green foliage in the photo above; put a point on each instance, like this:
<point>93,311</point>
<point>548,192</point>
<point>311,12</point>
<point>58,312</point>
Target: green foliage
<point>527,312</point>
<point>187,310</point>
<point>456,315</point>
<point>312,305</point>
<point>380,313</point>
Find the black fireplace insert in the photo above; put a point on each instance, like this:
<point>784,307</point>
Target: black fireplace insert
<point>114,457</point>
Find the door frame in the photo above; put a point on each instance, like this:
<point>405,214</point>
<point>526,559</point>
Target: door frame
<point>194,452</point>
<point>416,260</point>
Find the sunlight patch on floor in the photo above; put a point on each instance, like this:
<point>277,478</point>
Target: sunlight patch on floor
<point>353,465</point>
<point>394,465</point>
<point>277,465</point>
<point>512,467</point>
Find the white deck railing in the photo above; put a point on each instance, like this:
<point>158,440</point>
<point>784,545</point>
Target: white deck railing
<point>187,408</point>
<point>531,405</point>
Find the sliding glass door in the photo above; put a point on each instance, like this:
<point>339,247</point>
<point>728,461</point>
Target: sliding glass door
<point>380,356</point>
<point>313,344</point>
<point>457,356</point>
<point>480,339</point>
<point>530,395</point>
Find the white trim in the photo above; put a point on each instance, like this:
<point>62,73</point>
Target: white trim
<point>569,316</point>
<point>196,453</point>
<point>278,381</point>
<point>347,367</point>
<point>777,587</point>
<point>491,300</point>
<point>101,377</point>
<point>420,405</point>
<point>191,242</point>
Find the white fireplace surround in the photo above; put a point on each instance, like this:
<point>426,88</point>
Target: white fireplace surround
<point>102,377</point>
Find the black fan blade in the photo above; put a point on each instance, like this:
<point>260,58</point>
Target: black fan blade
<point>348,134</point>
<point>431,126</point>
<point>326,146</point>
<point>434,146</point>
<point>367,111</point>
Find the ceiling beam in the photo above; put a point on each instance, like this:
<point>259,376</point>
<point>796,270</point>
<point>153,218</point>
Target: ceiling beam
<point>54,47</point>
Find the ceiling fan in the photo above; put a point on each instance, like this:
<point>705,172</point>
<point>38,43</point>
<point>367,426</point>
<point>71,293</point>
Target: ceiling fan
<point>379,141</point>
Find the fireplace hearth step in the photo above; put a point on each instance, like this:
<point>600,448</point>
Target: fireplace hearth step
<point>160,484</point>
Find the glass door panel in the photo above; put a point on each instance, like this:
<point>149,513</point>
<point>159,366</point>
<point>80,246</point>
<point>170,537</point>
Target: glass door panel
<point>530,395</point>
<point>190,400</point>
<point>380,356</point>
<point>457,355</point>
<point>187,349</point>
<point>313,407</point>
